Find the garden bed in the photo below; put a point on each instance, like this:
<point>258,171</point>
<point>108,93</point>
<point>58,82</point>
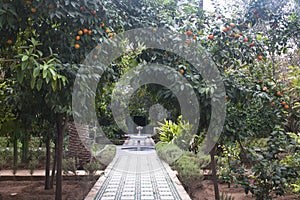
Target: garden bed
<point>34,189</point>
<point>206,192</point>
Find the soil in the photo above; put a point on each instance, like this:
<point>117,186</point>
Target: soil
<point>206,192</point>
<point>34,190</point>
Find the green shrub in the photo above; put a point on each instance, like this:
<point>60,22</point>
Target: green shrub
<point>92,167</point>
<point>69,165</point>
<point>106,155</point>
<point>189,172</point>
<point>168,152</point>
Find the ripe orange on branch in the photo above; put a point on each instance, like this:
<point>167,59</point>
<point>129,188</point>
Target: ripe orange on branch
<point>211,37</point>
<point>286,106</point>
<point>77,37</point>
<point>278,93</point>
<point>33,10</point>
<point>189,33</point>
<point>80,32</point>
<point>260,57</point>
<point>77,46</point>
<point>9,41</point>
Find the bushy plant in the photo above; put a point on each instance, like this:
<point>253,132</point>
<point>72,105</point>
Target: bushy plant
<point>168,152</point>
<point>178,133</point>
<point>92,167</point>
<point>106,155</point>
<point>188,168</point>
<point>270,176</point>
<point>69,165</point>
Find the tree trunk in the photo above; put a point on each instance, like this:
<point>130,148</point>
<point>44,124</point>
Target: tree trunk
<point>25,144</point>
<point>61,127</point>
<point>47,167</point>
<point>54,164</point>
<point>15,158</point>
<point>214,173</point>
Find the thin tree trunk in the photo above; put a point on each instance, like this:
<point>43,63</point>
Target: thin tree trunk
<point>24,155</point>
<point>47,167</point>
<point>15,159</point>
<point>54,164</point>
<point>61,127</point>
<point>214,173</point>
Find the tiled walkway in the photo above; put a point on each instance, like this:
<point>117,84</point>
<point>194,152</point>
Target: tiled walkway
<point>137,173</point>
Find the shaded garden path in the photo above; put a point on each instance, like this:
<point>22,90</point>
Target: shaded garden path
<point>137,173</point>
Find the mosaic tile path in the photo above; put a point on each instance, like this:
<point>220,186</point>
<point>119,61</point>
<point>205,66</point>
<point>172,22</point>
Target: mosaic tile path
<point>138,175</point>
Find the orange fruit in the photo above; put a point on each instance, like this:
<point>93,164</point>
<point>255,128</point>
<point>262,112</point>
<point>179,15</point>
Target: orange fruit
<point>272,104</point>
<point>237,35</point>
<point>283,103</point>
<point>211,37</point>
<point>195,37</point>
<point>189,33</point>
<point>33,10</point>
<point>94,12</point>
<point>77,46</point>
<point>278,93</point>
<point>85,30</point>
<point>246,39</point>
<point>259,57</point>
<point>9,42</point>
<point>90,32</point>
<point>265,89</point>
<point>95,57</point>
<point>286,106</point>
<point>181,71</point>
<point>110,35</point>
<point>80,32</point>
<point>77,37</point>
<point>102,25</point>
<point>225,29</point>
<point>252,44</point>
<point>107,31</point>
<point>231,25</point>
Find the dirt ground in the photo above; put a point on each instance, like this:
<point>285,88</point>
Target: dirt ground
<point>207,193</point>
<point>77,190</point>
<point>34,190</point>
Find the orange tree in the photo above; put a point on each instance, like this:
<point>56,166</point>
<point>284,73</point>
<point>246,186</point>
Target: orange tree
<point>43,44</point>
<point>245,51</point>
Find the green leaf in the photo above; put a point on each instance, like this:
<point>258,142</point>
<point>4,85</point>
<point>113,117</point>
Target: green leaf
<point>32,83</point>
<point>52,72</point>
<point>20,76</point>
<point>45,73</point>
<point>54,85</point>
<point>24,58</point>
<point>39,84</point>
<point>36,72</point>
